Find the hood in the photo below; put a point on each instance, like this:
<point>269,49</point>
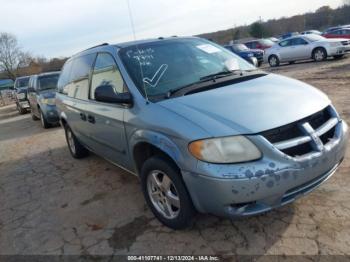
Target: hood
<point>50,93</point>
<point>249,107</point>
<point>22,90</point>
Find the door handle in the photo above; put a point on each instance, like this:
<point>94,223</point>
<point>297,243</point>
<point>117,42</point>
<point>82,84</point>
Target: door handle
<point>83,116</point>
<point>91,119</point>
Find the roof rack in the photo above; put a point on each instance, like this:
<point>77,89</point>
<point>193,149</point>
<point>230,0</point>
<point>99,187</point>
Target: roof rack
<point>96,46</point>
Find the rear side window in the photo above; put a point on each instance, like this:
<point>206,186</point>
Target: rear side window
<point>106,72</point>
<point>64,77</point>
<point>81,67</point>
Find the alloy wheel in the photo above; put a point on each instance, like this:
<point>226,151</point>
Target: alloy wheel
<point>163,194</point>
<point>319,55</point>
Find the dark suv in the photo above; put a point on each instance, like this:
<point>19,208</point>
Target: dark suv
<point>41,95</point>
<point>20,94</point>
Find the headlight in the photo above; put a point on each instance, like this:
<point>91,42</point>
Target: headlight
<point>232,149</point>
<point>48,101</point>
<point>21,95</point>
<point>335,44</point>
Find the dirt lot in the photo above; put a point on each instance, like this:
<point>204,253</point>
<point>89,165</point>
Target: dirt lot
<point>51,203</point>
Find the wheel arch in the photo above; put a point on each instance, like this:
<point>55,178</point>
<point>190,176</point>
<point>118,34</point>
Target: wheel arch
<point>319,47</point>
<point>145,144</point>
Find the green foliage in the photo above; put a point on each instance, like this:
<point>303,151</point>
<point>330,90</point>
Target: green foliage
<point>323,18</point>
<point>257,30</point>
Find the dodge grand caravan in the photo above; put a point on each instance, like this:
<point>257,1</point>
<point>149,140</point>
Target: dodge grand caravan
<point>203,129</point>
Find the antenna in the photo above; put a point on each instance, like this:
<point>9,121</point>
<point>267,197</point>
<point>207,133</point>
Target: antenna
<point>134,34</point>
<point>131,20</point>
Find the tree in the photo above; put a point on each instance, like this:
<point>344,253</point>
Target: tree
<point>257,30</point>
<point>346,2</point>
<point>12,58</point>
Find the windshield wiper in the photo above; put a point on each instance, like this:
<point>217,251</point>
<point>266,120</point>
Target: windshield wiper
<point>219,75</point>
<point>211,77</point>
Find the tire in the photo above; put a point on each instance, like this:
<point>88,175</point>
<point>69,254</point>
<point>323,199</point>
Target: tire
<point>180,213</point>
<point>338,56</point>
<point>76,149</point>
<point>43,121</point>
<point>260,63</point>
<point>34,117</point>
<point>21,110</point>
<point>319,54</point>
<point>274,61</point>
<point>291,62</point>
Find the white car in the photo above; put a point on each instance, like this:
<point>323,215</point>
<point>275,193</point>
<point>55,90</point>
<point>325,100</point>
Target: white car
<point>302,47</point>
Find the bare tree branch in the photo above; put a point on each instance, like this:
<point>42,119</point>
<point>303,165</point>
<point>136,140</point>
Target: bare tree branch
<point>12,58</point>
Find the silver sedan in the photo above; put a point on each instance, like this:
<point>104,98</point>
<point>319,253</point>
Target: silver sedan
<point>302,47</point>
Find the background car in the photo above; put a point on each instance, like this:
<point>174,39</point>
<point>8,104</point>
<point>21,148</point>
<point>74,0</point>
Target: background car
<point>259,44</point>
<point>304,47</point>
<point>314,32</point>
<point>41,95</point>
<point>20,94</point>
<point>287,35</point>
<point>330,29</point>
<point>253,56</point>
<point>339,33</point>
<point>273,39</point>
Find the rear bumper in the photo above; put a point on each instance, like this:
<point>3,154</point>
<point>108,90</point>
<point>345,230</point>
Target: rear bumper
<point>255,187</point>
<point>24,104</point>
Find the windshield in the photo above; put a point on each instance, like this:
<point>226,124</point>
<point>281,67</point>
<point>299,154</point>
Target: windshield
<point>47,82</point>
<point>240,47</point>
<point>167,65</point>
<point>22,82</point>
<point>313,38</point>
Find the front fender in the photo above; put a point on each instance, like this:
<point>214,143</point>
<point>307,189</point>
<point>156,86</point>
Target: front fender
<point>159,141</point>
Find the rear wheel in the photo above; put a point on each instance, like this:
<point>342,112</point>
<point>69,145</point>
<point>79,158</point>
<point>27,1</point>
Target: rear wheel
<point>166,194</point>
<point>274,61</point>
<point>76,149</point>
<point>319,54</point>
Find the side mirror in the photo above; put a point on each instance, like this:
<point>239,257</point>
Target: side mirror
<point>106,93</point>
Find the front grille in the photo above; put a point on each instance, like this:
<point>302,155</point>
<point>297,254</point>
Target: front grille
<point>306,135</point>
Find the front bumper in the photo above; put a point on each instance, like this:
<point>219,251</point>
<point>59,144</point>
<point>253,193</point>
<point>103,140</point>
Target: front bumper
<point>24,104</point>
<point>255,187</point>
<point>50,113</point>
<point>336,51</point>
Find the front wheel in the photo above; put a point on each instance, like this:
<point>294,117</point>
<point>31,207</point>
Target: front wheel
<point>43,121</point>
<point>274,61</point>
<point>166,194</point>
<point>319,54</point>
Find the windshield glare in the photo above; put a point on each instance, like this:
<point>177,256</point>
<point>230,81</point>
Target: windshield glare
<point>161,66</point>
<point>47,82</point>
<point>313,38</point>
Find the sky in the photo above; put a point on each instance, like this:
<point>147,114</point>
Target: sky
<point>58,28</point>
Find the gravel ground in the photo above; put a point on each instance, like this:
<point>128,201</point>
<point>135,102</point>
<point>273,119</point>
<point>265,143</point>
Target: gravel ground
<point>51,203</point>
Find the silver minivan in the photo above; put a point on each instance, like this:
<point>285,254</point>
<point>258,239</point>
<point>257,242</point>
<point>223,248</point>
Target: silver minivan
<point>203,129</point>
